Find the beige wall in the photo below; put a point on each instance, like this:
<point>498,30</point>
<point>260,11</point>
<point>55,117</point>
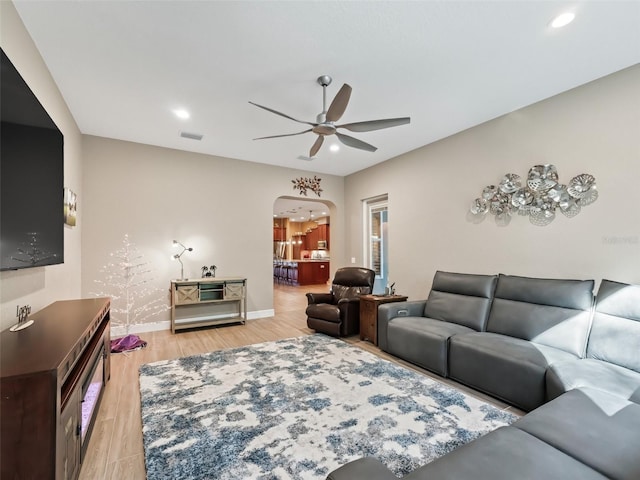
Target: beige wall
<point>592,129</point>
<point>40,286</point>
<point>221,207</point>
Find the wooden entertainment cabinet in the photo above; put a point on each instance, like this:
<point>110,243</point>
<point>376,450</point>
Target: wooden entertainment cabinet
<point>53,375</point>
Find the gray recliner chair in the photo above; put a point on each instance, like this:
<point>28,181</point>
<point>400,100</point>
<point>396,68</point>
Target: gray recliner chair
<point>337,313</point>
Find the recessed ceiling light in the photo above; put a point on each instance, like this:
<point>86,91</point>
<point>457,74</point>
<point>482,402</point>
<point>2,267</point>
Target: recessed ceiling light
<point>334,147</point>
<point>563,19</point>
<point>181,113</point>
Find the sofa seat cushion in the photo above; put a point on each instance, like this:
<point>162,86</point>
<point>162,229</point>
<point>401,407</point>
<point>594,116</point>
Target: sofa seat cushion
<point>508,368</point>
<point>423,341</point>
<point>505,454</point>
<point>592,426</point>
<point>324,311</point>
<point>588,372</point>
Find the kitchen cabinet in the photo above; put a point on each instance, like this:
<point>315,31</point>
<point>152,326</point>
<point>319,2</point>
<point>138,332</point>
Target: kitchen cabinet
<point>309,240</point>
<point>323,234</point>
<point>299,243</point>
<point>320,233</point>
<point>279,234</point>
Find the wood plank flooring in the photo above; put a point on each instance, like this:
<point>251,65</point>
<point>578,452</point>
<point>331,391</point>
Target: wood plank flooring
<point>115,449</point>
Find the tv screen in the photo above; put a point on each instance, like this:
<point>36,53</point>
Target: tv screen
<point>31,178</point>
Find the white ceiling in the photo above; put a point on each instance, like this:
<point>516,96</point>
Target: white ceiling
<point>123,66</point>
<point>299,210</point>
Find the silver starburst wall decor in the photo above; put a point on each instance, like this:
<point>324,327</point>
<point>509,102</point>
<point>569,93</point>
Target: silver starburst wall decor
<point>539,197</point>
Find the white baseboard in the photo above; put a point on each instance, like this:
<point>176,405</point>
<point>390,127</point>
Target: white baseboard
<point>261,314</point>
<point>120,331</point>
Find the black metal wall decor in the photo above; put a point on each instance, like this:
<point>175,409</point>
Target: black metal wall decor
<point>303,184</point>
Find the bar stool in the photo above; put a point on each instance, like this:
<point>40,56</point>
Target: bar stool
<point>286,267</point>
<point>293,273</point>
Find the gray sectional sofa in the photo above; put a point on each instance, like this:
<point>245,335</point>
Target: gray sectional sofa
<point>585,434</point>
<point>528,341</point>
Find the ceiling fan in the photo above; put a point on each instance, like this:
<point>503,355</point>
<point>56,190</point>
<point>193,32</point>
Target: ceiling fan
<point>326,121</point>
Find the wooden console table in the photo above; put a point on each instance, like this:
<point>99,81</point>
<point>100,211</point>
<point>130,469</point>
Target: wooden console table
<point>53,377</point>
<point>195,303</point>
<point>369,314</point>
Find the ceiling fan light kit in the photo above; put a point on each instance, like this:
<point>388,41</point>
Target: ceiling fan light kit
<point>326,120</point>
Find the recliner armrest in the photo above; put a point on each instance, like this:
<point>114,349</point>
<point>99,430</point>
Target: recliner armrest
<point>319,298</point>
<point>389,311</point>
<point>349,300</point>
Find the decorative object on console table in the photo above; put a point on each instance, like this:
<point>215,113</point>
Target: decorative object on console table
<point>198,303</point>
<point>178,256</point>
<point>22,313</point>
<point>208,272</point>
<point>52,379</point>
<point>369,314</point>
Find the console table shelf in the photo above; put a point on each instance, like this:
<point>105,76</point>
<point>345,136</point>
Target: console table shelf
<point>200,302</point>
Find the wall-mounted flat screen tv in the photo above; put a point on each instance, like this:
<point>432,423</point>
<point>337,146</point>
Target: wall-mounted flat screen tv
<point>31,178</point>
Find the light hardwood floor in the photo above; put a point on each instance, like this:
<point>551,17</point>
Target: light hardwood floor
<point>115,450</point>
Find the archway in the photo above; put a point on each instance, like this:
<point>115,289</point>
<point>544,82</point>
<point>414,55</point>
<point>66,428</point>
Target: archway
<point>301,242</point>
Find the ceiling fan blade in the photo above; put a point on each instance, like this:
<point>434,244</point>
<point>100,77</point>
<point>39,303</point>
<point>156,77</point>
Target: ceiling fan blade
<point>281,114</point>
<point>375,124</point>
<point>339,104</point>
<point>285,135</point>
<point>316,146</point>
<point>355,143</point>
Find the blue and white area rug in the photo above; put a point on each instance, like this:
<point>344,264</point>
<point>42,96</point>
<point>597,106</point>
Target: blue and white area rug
<point>298,409</point>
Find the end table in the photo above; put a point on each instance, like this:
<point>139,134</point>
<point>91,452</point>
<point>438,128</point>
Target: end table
<point>369,314</point>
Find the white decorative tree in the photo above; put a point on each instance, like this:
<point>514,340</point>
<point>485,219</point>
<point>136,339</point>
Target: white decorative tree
<point>125,280</point>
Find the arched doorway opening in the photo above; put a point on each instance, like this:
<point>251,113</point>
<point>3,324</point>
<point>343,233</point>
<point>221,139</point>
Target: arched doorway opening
<point>301,243</point>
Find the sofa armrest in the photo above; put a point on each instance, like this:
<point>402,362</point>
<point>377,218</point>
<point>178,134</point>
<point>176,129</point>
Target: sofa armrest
<point>319,298</point>
<point>389,311</point>
<point>367,468</point>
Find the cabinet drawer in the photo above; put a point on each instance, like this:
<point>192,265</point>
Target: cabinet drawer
<point>187,294</point>
<point>233,290</point>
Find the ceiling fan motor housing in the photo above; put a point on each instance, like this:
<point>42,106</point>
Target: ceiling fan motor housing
<point>324,80</point>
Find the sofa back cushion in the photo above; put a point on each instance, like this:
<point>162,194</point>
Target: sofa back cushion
<point>461,298</point>
<point>550,312</point>
<point>615,333</point>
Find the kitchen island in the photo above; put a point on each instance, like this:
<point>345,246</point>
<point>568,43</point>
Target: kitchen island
<point>312,272</point>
